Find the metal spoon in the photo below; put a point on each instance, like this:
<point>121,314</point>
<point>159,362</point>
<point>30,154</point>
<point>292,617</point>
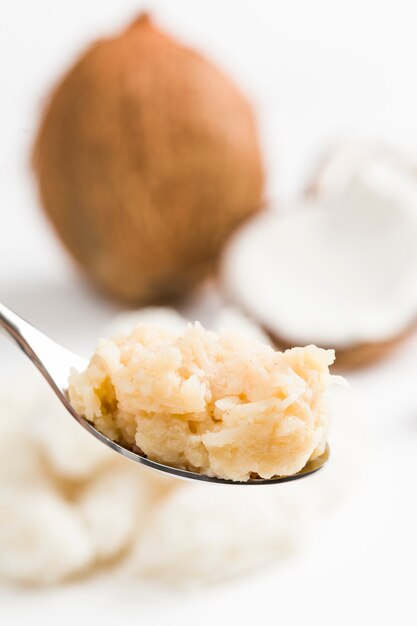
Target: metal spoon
<point>55,362</point>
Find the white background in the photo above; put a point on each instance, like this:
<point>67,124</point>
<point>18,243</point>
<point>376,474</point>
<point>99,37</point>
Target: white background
<point>317,72</point>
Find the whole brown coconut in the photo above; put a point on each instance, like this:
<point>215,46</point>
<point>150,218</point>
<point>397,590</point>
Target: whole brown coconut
<point>147,158</point>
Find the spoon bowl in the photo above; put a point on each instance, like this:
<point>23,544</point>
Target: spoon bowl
<point>55,364</point>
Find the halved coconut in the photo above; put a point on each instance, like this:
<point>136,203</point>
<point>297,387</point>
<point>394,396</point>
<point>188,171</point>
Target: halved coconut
<point>343,275</point>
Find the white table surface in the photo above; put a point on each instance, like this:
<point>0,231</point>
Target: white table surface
<point>317,72</point>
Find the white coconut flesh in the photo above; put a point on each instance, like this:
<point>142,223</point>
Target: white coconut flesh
<point>340,275</point>
<point>337,170</point>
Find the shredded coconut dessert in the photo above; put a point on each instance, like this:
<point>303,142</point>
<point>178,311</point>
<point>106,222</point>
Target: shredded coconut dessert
<point>219,404</point>
<point>93,511</point>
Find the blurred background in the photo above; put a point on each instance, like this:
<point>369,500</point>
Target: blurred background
<point>317,75</point>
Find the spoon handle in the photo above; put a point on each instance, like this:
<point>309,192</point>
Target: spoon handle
<point>52,360</point>
<point>23,333</point>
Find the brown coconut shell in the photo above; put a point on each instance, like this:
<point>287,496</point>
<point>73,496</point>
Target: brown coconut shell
<point>147,158</point>
<point>355,356</point>
<point>347,358</point>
